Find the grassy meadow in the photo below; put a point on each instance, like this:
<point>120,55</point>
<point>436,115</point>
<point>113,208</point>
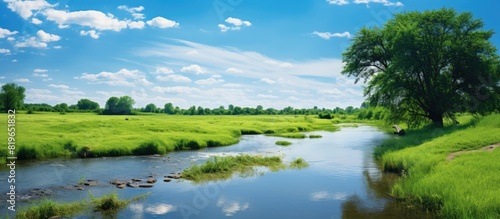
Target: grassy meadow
<point>50,135</point>
<point>466,186</point>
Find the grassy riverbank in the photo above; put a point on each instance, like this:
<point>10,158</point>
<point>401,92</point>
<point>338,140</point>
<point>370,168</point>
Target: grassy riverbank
<point>50,135</point>
<point>107,205</point>
<point>461,186</point>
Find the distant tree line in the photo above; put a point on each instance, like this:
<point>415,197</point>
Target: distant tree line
<point>12,97</point>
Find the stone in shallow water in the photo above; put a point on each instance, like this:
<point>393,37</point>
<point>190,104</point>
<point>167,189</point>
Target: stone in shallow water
<point>145,185</point>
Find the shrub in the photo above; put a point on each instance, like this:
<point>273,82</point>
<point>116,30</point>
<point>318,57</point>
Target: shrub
<point>26,153</point>
<point>85,152</point>
<point>315,136</point>
<point>299,163</point>
<point>149,148</point>
<point>283,143</point>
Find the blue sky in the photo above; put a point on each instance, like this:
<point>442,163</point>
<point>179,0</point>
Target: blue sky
<point>198,52</point>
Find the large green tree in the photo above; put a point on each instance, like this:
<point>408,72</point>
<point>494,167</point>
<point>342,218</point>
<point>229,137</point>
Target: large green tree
<point>86,104</point>
<point>12,96</point>
<point>119,106</point>
<point>425,66</point>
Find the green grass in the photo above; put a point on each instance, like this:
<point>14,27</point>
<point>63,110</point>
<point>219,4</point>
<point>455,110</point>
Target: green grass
<point>465,187</point>
<point>315,136</point>
<point>50,135</point>
<point>221,168</point>
<point>47,208</point>
<point>289,135</point>
<point>283,143</point>
<point>108,205</point>
<point>299,163</point>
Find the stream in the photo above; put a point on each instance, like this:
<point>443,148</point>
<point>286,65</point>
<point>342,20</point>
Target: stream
<point>342,181</point>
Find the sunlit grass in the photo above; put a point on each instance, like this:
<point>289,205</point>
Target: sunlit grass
<point>49,135</point>
<point>465,187</point>
<point>221,168</point>
<point>283,143</point>
<point>299,163</point>
<point>107,205</point>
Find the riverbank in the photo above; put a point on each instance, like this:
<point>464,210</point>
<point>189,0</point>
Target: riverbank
<point>463,187</point>
<point>86,135</point>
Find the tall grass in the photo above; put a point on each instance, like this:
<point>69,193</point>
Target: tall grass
<point>107,205</point>
<point>49,135</point>
<point>221,168</point>
<point>47,208</point>
<point>465,187</point>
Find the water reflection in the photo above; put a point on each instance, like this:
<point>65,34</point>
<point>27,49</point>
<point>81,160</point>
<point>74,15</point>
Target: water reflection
<point>154,209</point>
<point>231,207</point>
<point>325,195</point>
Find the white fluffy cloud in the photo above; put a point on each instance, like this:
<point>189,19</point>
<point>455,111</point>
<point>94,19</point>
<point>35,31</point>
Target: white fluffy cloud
<point>193,68</point>
<point>234,24</point>
<point>36,21</point>
<point>237,22</point>
<point>267,80</point>
<point>25,8</point>
<point>134,11</point>
<point>22,80</point>
<point>209,81</point>
<point>163,70</point>
<point>174,78</point>
<point>123,77</point>
<point>60,86</point>
<point>39,70</point>
<point>40,41</point>
<point>31,42</point>
<point>5,51</point>
<point>40,75</point>
<point>162,22</point>
<point>93,19</point>
<point>5,33</point>
<point>92,33</point>
<point>234,70</point>
<point>328,35</point>
<point>136,25</point>
<point>47,37</point>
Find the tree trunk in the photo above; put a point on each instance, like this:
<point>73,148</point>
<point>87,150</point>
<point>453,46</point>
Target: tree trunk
<point>437,119</point>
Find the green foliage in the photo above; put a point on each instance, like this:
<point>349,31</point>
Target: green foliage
<point>315,136</point>
<point>283,143</point>
<point>86,104</point>
<point>436,65</point>
<point>150,148</point>
<point>86,135</point>
<point>464,187</point>
<point>108,205</point>
<point>325,116</point>
<point>150,108</point>
<point>12,97</point>
<point>47,208</point>
<point>299,163</point>
<point>119,106</point>
<point>221,168</point>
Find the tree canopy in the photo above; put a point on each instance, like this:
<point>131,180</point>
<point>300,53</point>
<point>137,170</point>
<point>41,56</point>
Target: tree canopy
<point>426,66</point>
<point>119,106</point>
<point>12,96</point>
<point>86,104</point>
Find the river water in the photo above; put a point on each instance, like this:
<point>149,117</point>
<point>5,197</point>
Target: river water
<point>342,181</point>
